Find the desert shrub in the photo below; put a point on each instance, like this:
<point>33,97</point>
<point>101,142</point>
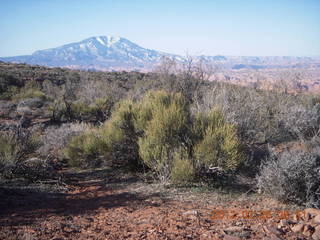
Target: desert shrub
<point>299,121</point>
<point>80,110</point>
<point>184,77</point>
<point>292,176</point>
<point>34,169</point>
<point>9,92</point>
<point>9,86</point>
<point>30,93</point>
<point>218,144</point>
<point>30,90</point>
<point>84,151</point>
<point>149,103</point>
<point>14,149</point>
<point>10,150</point>
<point>183,170</point>
<point>52,90</point>
<point>102,108</point>
<point>98,111</point>
<point>166,129</point>
<point>59,111</point>
<point>120,136</point>
<point>159,132</point>
<point>114,143</point>
<point>263,117</point>
<point>55,138</point>
<point>31,143</point>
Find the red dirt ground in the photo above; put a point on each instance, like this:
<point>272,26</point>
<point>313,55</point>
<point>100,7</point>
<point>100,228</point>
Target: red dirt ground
<point>94,208</point>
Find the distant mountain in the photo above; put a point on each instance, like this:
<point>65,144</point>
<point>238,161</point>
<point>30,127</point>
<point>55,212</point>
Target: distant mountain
<point>101,53</point>
<point>116,53</point>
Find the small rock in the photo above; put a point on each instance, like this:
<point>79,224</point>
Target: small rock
<point>297,228</point>
<point>234,229</point>
<point>229,237</point>
<point>308,230</point>
<point>28,236</point>
<point>273,237</point>
<point>191,212</point>
<point>307,216</point>
<point>192,217</point>
<point>90,219</point>
<point>296,217</point>
<point>239,223</point>
<point>316,234</point>
<point>312,211</point>
<point>283,223</point>
<point>316,219</point>
<point>238,231</point>
<point>272,230</point>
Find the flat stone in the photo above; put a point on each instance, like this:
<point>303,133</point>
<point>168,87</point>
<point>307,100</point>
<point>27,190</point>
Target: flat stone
<point>297,228</point>
<point>316,219</point>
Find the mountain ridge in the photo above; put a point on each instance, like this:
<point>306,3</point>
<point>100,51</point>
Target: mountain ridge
<point>118,53</point>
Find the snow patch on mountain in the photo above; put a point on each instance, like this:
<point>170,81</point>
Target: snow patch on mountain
<point>100,41</point>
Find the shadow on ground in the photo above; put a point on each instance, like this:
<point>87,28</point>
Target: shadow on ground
<point>90,191</point>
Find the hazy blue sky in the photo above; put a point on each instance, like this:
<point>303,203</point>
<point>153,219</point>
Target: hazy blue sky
<point>228,27</point>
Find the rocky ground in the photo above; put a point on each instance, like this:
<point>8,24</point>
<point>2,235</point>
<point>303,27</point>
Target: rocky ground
<point>90,206</point>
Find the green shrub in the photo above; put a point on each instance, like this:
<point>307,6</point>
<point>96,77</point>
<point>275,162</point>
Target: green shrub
<point>58,111</point>
<point>9,86</point>
<point>120,135</point>
<point>166,119</point>
<point>9,92</point>
<point>102,108</point>
<point>31,90</point>
<point>81,111</point>
<point>150,103</point>
<point>159,132</point>
<point>114,143</point>
<point>10,150</point>
<point>98,111</point>
<point>30,93</point>
<point>218,144</point>
<point>85,150</point>
<point>183,170</point>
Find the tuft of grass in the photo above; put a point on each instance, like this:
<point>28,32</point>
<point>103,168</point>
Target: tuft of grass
<point>30,93</point>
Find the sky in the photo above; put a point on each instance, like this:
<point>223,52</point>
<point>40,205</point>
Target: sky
<point>208,27</point>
